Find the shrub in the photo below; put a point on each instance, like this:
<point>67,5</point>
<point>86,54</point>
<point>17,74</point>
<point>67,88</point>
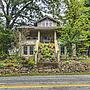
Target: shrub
<point>31,62</point>
<point>10,61</point>
<point>2,65</point>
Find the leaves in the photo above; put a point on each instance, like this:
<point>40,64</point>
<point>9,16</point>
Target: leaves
<point>6,40</point>
<point>15,11</point>
<point>77,28</point>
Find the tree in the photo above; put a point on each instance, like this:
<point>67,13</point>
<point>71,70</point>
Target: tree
<point>19,11</point>
<point>70,34</point>
<point>77,28</point>
<point>55,8</point>
<point>87,13</point>
<point>6,40</point>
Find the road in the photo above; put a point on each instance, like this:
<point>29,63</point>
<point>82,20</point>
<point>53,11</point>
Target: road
<point>62,79</point>
<point>64,88</point>
<point>77,82</point>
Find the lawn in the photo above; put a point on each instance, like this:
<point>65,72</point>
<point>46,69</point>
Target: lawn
<point>85,61</point>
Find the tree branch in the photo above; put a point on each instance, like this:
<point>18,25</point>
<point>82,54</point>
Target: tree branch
<point>2,7</point>
<point>7,7</point>
<point>18,13</point>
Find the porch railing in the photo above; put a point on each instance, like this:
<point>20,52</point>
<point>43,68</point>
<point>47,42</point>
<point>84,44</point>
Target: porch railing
<point>28,42</point>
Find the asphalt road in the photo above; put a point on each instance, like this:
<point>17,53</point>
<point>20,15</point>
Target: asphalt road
<point>62,79</point>
<point>46,80</point>
<point>64,88</point>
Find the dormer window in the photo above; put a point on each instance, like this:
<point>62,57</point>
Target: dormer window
<point>51,24</point>
<point>47,22</point>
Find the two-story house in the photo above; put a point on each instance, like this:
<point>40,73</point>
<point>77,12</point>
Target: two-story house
<point>44,31</point>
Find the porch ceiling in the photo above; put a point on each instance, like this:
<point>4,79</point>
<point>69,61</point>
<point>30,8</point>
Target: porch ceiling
<point>37,28</point>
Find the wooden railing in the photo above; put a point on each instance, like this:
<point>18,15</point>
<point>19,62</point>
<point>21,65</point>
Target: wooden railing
<point>28,42</point>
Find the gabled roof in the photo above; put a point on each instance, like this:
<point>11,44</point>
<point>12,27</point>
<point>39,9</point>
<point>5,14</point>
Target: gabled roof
<point>47,17</point>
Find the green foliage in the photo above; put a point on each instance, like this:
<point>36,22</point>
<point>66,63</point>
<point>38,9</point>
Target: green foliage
<point>77,28</point>
<point>87,3</point>
<point>6,40</point>
<point>2,65</point>
<point>31,62</point>
<point>47,51</point>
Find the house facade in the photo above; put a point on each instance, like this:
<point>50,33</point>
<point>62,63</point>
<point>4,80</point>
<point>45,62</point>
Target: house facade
<point>44,32</point>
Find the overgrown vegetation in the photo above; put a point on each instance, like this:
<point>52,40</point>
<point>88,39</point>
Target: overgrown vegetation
<point>6,40</point>
<point>75,30</point>
<point>47,52</point>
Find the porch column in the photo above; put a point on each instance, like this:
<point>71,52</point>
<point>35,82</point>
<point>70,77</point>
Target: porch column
<point>74,51</point>
<point>55,41</point>
<point>36,59</point>
<point>39,36</point>
<point>36,54</point>
<point>20,48</point>
<point>65,50</point>
<point>28,49</point>
<point>55,36</point>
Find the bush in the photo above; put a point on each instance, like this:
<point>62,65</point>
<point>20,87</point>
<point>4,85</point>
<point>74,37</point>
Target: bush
<point>2,65</point>
<point>10,61</point>
<point>31,62</point>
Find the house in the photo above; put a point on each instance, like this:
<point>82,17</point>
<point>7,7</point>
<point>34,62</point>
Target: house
<point>43,32</point>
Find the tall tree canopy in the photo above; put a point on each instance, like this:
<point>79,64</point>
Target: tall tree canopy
<point>77,26</point>
<point>19,11</point>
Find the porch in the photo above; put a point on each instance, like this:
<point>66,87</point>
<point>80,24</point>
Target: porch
<point>29,41</point>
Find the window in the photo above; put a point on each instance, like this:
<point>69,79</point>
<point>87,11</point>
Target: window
<point>50,23</point>
<point>46,24</point>
<point>31,50</point>
<point>62,50</point>
<point>25,50</point>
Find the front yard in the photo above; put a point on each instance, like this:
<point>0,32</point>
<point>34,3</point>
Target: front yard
<point>17,66</point>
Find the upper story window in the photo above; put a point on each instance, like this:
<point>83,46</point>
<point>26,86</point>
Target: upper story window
<point>51,24</point>
<point>46,23</point>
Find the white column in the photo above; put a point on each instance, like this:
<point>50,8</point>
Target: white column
<point>65,50</point>
<point>28,50</point>
<point>19,36</point>
<point>37,47</point>
<point>39,36</point>
<point>36,59</point>
<point>74,49</point>
<point>55,41</point>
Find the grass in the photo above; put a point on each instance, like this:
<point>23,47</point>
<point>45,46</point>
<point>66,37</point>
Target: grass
<point>85,61</point>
